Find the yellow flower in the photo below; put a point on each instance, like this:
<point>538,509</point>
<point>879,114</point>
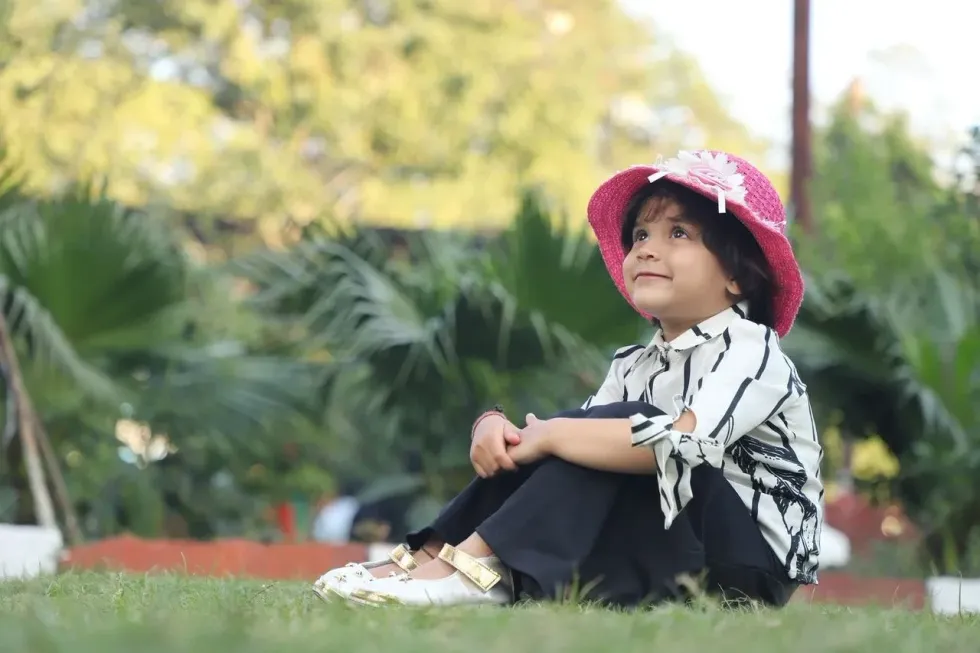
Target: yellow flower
<point>871,459</point>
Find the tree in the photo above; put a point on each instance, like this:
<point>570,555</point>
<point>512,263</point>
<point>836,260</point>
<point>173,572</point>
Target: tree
<point>405,112</point>
<point>876,197</point>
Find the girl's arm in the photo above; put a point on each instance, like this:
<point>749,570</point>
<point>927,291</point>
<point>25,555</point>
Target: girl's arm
<point>606,444</point>
<point>749,386</point>
<point>611,389</point>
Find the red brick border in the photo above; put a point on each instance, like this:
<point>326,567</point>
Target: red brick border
<point>845,589</point>
<point>307,561</point>
<point>219,558</point>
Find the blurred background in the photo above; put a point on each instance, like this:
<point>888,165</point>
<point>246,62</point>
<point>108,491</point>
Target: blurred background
<point>262,263</point>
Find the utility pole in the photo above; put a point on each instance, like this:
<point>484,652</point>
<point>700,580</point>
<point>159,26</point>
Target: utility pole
<point>801,154</point>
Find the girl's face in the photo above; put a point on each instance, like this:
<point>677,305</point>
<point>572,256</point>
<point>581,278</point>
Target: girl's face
<point>669,272</point>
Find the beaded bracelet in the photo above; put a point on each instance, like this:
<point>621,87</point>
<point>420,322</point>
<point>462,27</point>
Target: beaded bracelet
<point>496,410</point>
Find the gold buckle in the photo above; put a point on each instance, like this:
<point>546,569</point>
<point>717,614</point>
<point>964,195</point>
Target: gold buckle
<point>324,590</point>
<point>478,573</point>
<point>367,597</point>
<point>402,556</point>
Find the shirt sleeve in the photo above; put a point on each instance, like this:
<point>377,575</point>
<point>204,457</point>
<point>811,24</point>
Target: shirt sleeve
<point>613,387</point>
<point>749,384</point>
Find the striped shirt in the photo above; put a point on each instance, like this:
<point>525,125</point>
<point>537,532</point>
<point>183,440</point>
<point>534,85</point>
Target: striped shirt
<point>754,422</point>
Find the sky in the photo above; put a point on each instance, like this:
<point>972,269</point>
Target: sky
<point>745,49</point>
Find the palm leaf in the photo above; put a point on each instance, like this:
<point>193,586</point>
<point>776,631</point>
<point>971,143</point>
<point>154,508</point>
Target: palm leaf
<point>907,349</point>
<point>227,392</point>
<point>421,338</point>
<point>558,275</point>
<point>79,276</point>
<point>48,345</point>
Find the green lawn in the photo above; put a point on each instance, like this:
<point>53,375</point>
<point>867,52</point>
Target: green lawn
<point>110,613</point>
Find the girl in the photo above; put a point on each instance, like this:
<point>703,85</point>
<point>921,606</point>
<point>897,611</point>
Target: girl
<point>698,455</point>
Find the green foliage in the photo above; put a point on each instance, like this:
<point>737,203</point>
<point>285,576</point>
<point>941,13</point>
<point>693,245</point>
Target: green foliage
<point>286,113</point>
<point>557,273</point>
<point>423,340</point>
<point>888,336</point>
<point>402,112</point>
<point>61,312</point>
<point>904,364</point>
<point>875,185</point>
<point>105,308</point>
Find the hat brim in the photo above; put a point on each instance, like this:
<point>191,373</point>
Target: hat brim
<point>606,211</point>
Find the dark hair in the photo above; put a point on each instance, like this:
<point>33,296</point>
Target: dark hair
<point>723,235</point>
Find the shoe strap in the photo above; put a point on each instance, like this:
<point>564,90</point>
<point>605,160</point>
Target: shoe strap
<point>402,556</point>
<point>475,571</point>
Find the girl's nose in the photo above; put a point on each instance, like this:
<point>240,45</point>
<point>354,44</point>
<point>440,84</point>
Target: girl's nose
<point>648,250</point>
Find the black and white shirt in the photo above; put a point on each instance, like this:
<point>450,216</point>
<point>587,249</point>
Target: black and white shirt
<point>754,422</point>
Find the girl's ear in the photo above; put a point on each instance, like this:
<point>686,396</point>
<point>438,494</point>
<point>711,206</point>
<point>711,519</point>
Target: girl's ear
<point>733,288</point>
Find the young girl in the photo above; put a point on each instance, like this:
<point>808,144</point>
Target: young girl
<point>698,455</point>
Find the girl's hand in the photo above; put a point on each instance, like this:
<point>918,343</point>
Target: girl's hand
<point>536,440</point>
<point>488,451</point>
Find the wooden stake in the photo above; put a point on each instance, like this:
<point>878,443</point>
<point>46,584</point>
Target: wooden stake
<point>72,527</point>
<point>43,506</point>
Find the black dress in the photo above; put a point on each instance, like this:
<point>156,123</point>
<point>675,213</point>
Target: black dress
<point>566,530</point>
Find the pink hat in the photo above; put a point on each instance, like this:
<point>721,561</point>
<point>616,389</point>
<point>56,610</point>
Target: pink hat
<point>739,188</point>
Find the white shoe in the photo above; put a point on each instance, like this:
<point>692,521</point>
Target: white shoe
<point>477,581</point>
<point>338,583</point>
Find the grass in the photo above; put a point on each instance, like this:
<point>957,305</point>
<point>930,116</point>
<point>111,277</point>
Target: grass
<point>116,613</point>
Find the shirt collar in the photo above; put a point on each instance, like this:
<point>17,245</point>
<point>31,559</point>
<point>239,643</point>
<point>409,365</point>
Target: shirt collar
<point>707,330</point>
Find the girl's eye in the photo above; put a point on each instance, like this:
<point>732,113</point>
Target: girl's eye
<point>639,235</point>
<point>678,232</point>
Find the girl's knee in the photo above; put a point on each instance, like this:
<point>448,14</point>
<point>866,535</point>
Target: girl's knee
<point>561,471</point>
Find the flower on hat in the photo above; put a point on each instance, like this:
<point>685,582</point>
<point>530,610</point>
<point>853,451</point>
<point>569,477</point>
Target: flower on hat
<point>714,172</point>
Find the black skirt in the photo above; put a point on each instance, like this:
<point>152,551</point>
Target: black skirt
<point>568,531</point>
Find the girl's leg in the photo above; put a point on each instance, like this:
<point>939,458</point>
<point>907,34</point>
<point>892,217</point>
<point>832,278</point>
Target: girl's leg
<point>478,500</point>
<point>467,510</point>
<point>591,534</point>
<point>566,524</point>
<point>546,526</point>
<point>481,498</point>
<point>571,531</point>
<point>542,531</point>
<point>551,523</point>
<point>739,563</point>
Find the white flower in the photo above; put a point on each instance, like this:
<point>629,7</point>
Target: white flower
<point>142,445</point>
<point>714,172</point>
